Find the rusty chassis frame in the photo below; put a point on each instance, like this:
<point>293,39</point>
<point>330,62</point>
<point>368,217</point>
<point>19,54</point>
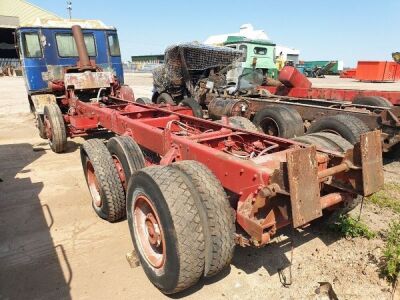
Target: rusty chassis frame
<point>386,119</point>
<point>271,182</point>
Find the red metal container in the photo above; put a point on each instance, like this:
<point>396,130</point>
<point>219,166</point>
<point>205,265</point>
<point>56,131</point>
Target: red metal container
<point>291,77</point>
<point>377,71</point>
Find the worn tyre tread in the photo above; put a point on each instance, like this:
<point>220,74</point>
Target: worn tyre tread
<point>354,126</point>
<point>107,177</point>
<point>220,220</point>
<point>186,221</point>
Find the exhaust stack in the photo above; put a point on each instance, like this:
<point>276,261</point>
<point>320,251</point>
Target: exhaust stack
<point>84,61</point>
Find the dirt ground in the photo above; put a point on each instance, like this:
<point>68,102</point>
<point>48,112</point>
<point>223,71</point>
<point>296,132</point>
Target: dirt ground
<point>53,246</point>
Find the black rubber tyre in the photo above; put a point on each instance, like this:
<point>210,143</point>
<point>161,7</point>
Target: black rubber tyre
<point>279,121</point>
<point>194,106</point>
<point>170,197</point>
<point>326,140</point>
<point>127,155</point>
<point>347,126</point>
<point>218,221</point>
<point>40,127</point>
<point>298,124</point>
<point>242,123</point>
<point>373,101</point>
<point>143,100</point>
<point>108,198</point>
<point>165,98</point>
<point>58,137</point>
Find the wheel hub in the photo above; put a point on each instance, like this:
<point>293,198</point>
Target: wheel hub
<point>153,230</point>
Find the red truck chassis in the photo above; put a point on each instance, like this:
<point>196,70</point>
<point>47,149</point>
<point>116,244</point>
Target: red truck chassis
<point>266,181</point>
<point>285,179</point>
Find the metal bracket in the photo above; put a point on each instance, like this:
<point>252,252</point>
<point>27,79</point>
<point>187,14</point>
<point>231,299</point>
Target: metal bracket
<point>371,161</point>
<point>303,185</point>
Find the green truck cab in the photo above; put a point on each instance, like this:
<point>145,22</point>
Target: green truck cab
<point>261,50</point>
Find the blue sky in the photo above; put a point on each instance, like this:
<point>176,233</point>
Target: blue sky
<point>348,30</point>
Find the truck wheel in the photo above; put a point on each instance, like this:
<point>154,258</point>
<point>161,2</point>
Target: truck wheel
<point>279,121</point>
<point>108,198</point>
<point>166,228</point>
<point>325,140</point>
<point>165,98</point>
<point>127,156</point>
<point>143,100</point>
<point>242,123</point>
<point>373,101</point>
<point>41,127</point>
<point>217,218</point>
<point>347,126</point>
<point>194,106</point>
<point>55,128</point>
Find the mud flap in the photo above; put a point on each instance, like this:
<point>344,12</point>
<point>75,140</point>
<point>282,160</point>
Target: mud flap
<point>304,185</point>
<point>371,162</point>
<point>40,101</point>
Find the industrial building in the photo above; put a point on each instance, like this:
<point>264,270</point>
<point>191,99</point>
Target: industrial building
<point>14,13</point>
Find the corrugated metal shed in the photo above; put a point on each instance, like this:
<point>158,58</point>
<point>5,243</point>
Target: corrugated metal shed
<point>25,11</point>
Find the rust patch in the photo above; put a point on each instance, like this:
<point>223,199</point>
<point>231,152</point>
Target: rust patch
<point>88,80</point>
<point>371,161</point>
<point>304,186</point>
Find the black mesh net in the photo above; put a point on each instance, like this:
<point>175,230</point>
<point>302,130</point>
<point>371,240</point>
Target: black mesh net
<point>195,57</point>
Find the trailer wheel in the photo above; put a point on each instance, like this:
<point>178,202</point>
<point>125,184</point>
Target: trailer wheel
<point>217,218</point>
<point>347,126</point>
<point>165,98</point>
<point>108,198</point>
<point>166,228</point>
<point>55,128</point>
<point>127,157</point>
<point>41,127</point>
<point>194,106</point>
<point>242,123</point>
<point>279,121</point>
<point>143,100</point>
<point>325,140</point>
<point>373,101</point>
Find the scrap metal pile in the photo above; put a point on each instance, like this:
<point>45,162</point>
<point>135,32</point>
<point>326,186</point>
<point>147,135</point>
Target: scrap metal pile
<point>191,60</point>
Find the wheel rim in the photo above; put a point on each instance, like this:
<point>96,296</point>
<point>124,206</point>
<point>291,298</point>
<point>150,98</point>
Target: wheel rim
<point>120,170</point>
<point>149,232</point>
<point>270,127</point>
<point>47,128</point>
<point>93,184</point>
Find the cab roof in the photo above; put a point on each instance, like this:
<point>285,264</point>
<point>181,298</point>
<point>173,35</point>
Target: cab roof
<point>66,23</point>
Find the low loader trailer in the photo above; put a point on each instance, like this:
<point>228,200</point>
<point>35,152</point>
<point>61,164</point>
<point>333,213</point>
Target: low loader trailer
<point>191,189</point>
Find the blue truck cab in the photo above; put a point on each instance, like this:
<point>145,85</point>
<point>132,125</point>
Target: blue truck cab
<point>46,47</point>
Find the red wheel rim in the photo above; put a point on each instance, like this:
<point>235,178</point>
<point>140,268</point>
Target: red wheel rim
<point>149,233</point>
<point>93,184</point>
<point>270,127</point>
<point>120,170</point>
<point>47,127</point>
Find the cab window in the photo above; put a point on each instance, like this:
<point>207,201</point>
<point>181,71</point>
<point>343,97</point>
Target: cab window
<point>113,45</point>
<point>67,48</point>
<point>31,45</point>
<point>260,50</point>
<point>243,48</point>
